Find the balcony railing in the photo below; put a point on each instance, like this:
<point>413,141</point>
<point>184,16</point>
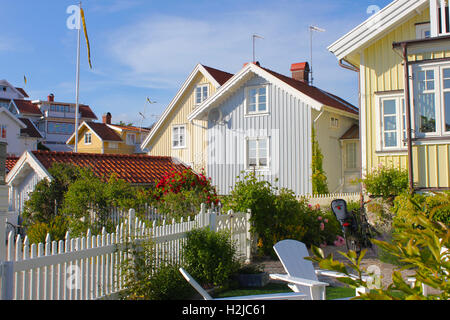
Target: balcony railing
<point>439,18</point>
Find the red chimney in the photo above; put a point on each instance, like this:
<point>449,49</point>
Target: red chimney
<point>257,63</point>
<point>107,118</point>
<point>300,71</point>
<point>51,97</point>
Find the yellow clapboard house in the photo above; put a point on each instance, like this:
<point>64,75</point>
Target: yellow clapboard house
<point>402,56</point>
<point>108,138</point>
<point>173,135</point>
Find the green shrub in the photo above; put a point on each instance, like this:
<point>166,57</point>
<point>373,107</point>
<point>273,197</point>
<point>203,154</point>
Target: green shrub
<point>210,257</point>
<point>386,182</point>
<point>319,178</point>
<point>57,228</point>
<point>145,280</point>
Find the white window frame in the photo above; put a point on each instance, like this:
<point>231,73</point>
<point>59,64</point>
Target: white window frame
<point>88,138</point>
<point>129,142</point>
<point>202,88</point>
<point>335,122</point>
<point>247,101</point>
<point>114,145</point>
<point>179,146</point>
<point>3,129</point>
<point>422,29</point>
<point>439,98</point>
<point>346,149</point>
<point>247,162</point>
<point>400,120</point>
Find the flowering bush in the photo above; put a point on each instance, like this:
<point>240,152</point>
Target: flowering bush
<point>182,193</point>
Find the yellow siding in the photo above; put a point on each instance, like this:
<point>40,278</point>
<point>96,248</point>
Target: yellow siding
<point>94,147</point>
<point>383,71</point>
<point>195,152</point>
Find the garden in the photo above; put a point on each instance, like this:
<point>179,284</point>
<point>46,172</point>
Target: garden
<point>410,233</point>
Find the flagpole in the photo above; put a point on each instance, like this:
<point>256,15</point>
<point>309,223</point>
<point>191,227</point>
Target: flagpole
<point>77,83</point>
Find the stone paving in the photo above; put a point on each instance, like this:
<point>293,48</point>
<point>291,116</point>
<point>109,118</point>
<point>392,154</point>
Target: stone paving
<point>275,266</point>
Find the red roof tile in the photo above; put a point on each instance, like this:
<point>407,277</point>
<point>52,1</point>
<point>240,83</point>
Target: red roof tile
<point>317,94</point>
<point>135,169</point>
<point>10,163</point>
<point>104,132</point>
<point>23,92</point>
<point>86,112</point>
<point>220,76</point>
<point>30,130</point>
<point>27,107</point>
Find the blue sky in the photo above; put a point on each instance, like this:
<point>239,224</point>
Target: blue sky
<point>144,48</point>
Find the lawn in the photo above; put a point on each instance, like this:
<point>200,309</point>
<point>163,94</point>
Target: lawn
<point>332,292</point>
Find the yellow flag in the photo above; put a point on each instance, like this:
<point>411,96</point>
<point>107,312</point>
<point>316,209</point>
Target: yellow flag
<point>25,80</point>
<point>86,35</point>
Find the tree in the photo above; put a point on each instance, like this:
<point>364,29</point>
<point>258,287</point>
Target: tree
<point>319,179</point>
<point>46,201</point>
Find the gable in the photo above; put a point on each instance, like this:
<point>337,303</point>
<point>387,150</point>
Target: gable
<point>183,103</point>
<point>376,27</point>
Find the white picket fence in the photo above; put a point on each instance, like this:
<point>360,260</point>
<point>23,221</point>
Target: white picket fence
<point>87,268</point>
<point>324,200</point>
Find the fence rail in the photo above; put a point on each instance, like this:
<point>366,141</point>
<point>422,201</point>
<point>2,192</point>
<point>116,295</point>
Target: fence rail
<point>87,268</point>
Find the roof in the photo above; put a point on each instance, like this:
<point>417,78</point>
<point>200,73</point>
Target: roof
<point>376,26</point>
<point>103,131</point>
<point>317,94</point>
<point>27,107</point>
<point>217,77</point>
<point>86,112</point>
<point>11,162</point>
<point>351,134</point>
<point>220,76</point>
<point>134,169</point>
<point>130,128</point>
<point>30,130</point>
<point>22,91</point>
<point>314,96</point>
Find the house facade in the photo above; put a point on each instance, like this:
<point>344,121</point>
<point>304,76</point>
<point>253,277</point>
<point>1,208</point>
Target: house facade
<point>8,92</point>
<point>402,56</point>
<point>55,120</point>
<point>173,135</point>
<point>108,138</point>
<point>261,121</point>
<point>32,167</point>
<point>20,134</point>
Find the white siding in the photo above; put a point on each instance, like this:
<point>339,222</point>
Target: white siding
<point>288,126</point>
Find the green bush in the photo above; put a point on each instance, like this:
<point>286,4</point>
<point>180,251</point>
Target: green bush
<point>57,228</point>
<point>145,280</point>
<point>210,257</point>
<point>386,182</point>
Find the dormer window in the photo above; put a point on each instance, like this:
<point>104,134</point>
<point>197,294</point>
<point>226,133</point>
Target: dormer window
<point>201,93</point>
<point>88,138</point>
<point>131,139</point>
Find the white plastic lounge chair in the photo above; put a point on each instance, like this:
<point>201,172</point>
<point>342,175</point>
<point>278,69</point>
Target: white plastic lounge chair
<point>276,296</point>
<point>425,288</point>
<point>301,275</point>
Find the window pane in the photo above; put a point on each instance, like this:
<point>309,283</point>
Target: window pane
<point>430,74</point>
<point>262,107</point>
<point>430,85</point>
<point>390,139</point>
<point>205,93</point>
<point>351,156</point>
<point>389,107</point>
<point>390,123</point>
<point>426,113</point>
<point>252,108</point>
<point>447,110</point>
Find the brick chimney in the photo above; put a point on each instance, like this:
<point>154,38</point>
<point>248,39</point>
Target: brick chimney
<point>51,97</point>
<point>300,72</point>
<point>107,118</point>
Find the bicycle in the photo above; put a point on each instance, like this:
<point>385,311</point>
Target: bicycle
<point>355,227</point>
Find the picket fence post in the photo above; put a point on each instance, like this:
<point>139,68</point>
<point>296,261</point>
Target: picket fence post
<point>212,220</point>
<point>248,237</point>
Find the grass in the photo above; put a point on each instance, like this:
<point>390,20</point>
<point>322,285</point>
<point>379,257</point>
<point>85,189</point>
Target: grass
<point>332,292</point>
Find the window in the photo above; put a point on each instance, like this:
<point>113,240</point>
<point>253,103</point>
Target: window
<point>61,128</point>
<point>257,153</point>
<point>3,131</point>
<point>88,138</point>
<point>423,30</point>
<point>201,93</point>
<point>392,122</point>
<point>179,137</point>
<point>432,100</point>
<point>350,156</point>
<point>334,123</point>
<point>113,145</point>
<point>131,139</point>
<point>257,100</point>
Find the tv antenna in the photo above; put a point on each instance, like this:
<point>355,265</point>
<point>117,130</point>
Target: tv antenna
<point>311,30</point>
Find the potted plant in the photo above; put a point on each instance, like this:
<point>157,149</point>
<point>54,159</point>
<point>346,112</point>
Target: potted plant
<point>252,276</point>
